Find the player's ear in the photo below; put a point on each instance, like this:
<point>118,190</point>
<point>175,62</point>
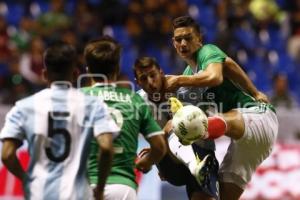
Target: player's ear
<point>200,39</point>
<point>173,41</point>
<point>161,72</point>
<point>137,81</point>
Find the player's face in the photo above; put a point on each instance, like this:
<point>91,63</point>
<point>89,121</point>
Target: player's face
<point>150,79</point>
<point>186,41</point>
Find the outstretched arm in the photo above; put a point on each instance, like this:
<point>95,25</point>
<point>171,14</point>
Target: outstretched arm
<point>104,141</point>
<point>234,72</point>
<point>9,157</point>
<point>211,76</point>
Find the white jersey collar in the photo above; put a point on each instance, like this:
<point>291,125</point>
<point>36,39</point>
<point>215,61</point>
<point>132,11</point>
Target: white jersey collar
<point>104,84</point>
<point>61,85</point>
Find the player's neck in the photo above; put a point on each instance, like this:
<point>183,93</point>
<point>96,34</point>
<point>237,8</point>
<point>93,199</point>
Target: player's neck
<point>192,62</point>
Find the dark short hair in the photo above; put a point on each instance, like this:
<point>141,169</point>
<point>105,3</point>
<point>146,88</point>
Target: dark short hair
<point>60,59</point>
<point>186,21</point>
<point>102,56</point>
<point>143,62</point>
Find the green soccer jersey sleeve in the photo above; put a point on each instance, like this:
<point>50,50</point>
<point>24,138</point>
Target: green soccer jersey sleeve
<point>209,54</point>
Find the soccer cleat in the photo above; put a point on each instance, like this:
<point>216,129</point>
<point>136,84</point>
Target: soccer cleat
<point>201,172</point>
<point>175,104</point>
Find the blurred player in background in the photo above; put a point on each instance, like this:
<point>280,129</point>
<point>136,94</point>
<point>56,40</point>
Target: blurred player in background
<point>251,124</point>
<point>58,123</point>
<point>151,79</point>
<point>131,114</point>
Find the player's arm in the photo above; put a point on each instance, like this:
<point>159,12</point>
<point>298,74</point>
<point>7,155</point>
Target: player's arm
<point>211,76</point>
<point>154,135</point>
<point>157,151</point>
<point>234,72</point>
<point>105,143</point>
<point>12,136</point>
<point>105,129</point>
<point>10,159</point>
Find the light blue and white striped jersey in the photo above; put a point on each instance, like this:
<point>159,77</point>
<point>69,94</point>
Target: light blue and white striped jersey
<point>58,124</point>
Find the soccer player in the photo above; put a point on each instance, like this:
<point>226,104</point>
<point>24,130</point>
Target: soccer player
<point>251,124</point>
<point>132,115</point>
<point>58,123</point>
<point>151,79</point>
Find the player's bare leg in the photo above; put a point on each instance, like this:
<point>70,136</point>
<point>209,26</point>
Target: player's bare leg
<point>230,124</point>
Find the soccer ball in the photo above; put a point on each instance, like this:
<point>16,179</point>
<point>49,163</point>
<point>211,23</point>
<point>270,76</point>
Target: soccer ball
<point>190,124</point>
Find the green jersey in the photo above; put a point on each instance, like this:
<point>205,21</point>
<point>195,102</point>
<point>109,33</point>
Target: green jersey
<point>133,116</point>
<point>227,95</point>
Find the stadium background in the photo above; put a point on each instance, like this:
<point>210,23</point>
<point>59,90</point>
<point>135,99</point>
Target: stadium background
<point>263,36</point>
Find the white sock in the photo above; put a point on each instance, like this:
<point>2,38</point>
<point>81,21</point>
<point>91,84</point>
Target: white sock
<point>184,153</point>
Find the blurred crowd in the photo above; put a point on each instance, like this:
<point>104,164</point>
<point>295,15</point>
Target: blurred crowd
<point>262,35</point>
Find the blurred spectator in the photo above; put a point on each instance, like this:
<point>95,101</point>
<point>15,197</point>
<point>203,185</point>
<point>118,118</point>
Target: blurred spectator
<point>87,26</point>
<point>294,41</point>
<point>151,20</point>
<point>52,23</point>
<point>251,30</point>
<point>282,97</point>
<point>107,7</point>
<point>31,64</point>
<point>16,87</point>
<point>5,52</point>
<point>23,35</point>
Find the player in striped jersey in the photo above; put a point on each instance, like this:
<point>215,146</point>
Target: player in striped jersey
<point>251,124</point>
<point>131,114</point>
<point>58,123</point>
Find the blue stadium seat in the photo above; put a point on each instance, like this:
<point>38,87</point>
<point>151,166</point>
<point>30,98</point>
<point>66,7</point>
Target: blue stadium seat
<point>162,58</point>
<point>262,72</point>
<point>246,39</point>
<point>207,17</point>
<point>14,14</point>
<point>121,34</point>
<point>276,41</point>
<point>128,57</point>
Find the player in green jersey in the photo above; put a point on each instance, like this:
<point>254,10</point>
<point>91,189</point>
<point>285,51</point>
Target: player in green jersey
<point>251,124</point>
<point>131,114</point>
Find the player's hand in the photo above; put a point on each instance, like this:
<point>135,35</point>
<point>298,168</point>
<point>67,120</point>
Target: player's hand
<point>168,128</point>
<point>143,163</point>
<point>143,152</point>
<point>259,96</point>
<point>171,84</point>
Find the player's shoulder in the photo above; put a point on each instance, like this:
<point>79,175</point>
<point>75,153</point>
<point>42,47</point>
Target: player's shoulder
<point>142,94</point>
<point>210,51</point>
<point>30,100</point>
<point>209,47</point>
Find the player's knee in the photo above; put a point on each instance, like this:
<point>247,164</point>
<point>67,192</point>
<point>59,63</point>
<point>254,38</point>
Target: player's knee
<point>235,124</point>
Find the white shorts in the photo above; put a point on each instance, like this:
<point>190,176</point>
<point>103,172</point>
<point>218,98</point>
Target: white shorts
<point>246,154</point>
<point>118,192</point>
